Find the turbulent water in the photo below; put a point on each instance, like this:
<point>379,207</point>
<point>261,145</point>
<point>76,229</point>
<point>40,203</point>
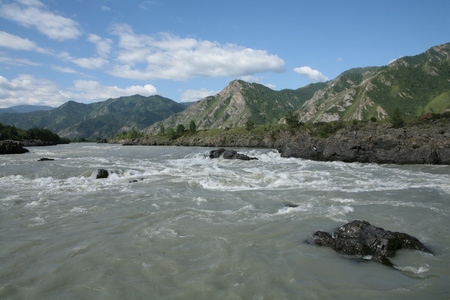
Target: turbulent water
<point>170,223</point>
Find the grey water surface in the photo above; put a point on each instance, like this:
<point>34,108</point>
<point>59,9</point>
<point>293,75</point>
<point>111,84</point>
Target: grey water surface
<point>170,223</point>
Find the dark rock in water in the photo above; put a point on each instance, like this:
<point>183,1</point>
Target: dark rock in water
<point>12,147</point>
<point>45,159</point>
<point>102,173</point>
<point>291,205</point>
<point>229,154</point>
<point>361,239</point>
<point>136,180</point>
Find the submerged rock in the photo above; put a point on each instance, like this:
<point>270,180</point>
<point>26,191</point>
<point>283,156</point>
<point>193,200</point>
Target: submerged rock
<point>46,159</point>
<point>102,173</point>
<point>229,154</point>
<point>363,240</point>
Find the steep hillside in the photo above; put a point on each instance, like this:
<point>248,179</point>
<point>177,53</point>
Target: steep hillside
<point>238,103</point>
<point>415,84</point>
<point>100,119</point>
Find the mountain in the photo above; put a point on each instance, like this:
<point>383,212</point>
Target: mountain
<point>238,103</point>
<point>100,119</point>
<point>415,84</point>
<point>24,108</point>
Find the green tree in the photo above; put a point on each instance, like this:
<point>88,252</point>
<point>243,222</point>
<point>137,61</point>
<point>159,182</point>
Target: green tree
<point>170,133</point>
<point>397,118</point>
<point>162,129</point>
<point>293,120</point>
<point>180,130</point>
<point>192,127</point>
<point>249,125</point>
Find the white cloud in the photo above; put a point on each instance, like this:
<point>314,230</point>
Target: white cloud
<point>26,89</point>
<point>94,91</point>
<point>194,95</point>
<point>33,13</point>
<point>168,56</point>
<point>103,45</point>
<point>311,74</point>
<point>14,42</point>
<point>270,86</point>
<point>66,70</point>
<point>90,63</point>
<point>18,61</point>
<point>250,78</point>
<point>103,48</point>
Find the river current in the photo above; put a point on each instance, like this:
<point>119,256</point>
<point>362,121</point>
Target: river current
<point>170,223</point>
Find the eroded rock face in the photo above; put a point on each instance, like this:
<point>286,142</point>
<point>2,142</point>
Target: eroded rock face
<point>229,154</point>
<point>363,240</point>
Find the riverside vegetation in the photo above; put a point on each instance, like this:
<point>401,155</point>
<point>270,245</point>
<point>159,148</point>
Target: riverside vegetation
<point>418,140</point>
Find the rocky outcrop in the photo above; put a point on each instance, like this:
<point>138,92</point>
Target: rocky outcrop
<point>362,240</point>
<point>412,145</point>
<point>229,154</point>
<point>12,147</point>
<point>427,143</point>
<point>35,143</point>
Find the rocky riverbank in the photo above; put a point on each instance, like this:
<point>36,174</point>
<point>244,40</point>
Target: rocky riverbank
<point>12,147</point>
<point>366,143</point>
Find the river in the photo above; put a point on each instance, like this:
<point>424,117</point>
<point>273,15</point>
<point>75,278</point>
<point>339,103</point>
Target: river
<point>170,223</point>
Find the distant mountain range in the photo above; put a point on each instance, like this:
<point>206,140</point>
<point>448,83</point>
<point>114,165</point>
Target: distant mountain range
<point>19,109</point>
<point>97,120</point>
<point>415,84</point>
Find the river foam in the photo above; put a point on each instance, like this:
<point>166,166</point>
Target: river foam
<point>172,223</point>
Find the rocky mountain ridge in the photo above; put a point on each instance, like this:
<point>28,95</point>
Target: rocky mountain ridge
<point>415,84</point>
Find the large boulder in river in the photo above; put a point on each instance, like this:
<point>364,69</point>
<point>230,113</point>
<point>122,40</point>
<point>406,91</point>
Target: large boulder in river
<point>229,154</point>
<point>102,173</point>
<point>12,147</point>
<point>363,240</point>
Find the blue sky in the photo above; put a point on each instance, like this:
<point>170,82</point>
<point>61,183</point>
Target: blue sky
<point>53,51</point>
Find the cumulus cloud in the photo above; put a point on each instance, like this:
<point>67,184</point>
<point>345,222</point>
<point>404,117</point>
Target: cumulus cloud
<point>33,13</point>
<point>168,56</point>
<point>26,89</point>
<point>14,42</point>
<point>194,95</point>
<point>311,74</point>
